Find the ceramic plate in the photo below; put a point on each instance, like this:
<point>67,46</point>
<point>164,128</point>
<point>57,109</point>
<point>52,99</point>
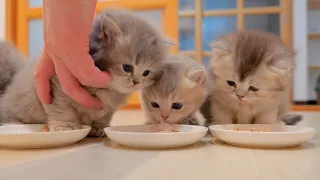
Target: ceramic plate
<point>280,136</point>
<point>137,136</point>
<point>32,136</point>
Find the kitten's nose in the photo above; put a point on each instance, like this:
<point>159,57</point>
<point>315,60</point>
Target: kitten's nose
<point>164,117</point>
<point>135,82</point>
<point>240,96</point>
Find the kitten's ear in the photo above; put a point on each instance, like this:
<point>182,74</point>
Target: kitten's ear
<point>109,29</point>
<point>195,77</point>
<point>281,65</point>
<point>219,49</point>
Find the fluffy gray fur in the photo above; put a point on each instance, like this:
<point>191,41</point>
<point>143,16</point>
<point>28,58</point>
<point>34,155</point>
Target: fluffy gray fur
<point>10,63</point>
<point>118,38</point>
<point>252,75</point>
<point>184,81</point>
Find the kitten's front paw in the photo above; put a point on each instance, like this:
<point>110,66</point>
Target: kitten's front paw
<point>65,127</point>
<point>96,132</point>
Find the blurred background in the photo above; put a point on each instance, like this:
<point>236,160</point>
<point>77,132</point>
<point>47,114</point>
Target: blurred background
<point>193,25</point>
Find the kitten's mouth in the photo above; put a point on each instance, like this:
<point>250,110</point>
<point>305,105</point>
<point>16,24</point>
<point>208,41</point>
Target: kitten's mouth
<point>241,100</point>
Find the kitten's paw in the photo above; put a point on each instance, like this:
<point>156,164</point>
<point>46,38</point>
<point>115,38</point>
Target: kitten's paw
<point>65,127</point>
<point>96,132</point>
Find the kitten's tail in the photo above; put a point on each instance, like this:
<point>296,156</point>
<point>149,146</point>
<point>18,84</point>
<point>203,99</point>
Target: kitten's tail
<point>291,119</point>
<point>11,61</point>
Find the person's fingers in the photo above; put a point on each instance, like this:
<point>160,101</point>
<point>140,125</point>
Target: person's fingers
<point>72,88</point>
<point>83,68</point>
<point>42,73</point>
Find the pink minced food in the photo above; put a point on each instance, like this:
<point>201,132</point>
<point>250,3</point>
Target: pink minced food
<point>162,127</point>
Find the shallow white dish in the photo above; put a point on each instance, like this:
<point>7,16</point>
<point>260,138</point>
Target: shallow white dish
<point>32,136</point>
<point>281,136</point>
<point>136,136</point>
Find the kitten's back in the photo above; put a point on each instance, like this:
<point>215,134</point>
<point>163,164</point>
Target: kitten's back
<point>11,61</point>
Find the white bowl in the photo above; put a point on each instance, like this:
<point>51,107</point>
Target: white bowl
<point>281,136</point>
<point>136,136</point>
<point>32,136</point>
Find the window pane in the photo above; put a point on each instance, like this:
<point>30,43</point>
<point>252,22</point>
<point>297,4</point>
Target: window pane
<point>268,23</point>
<point>35,38</point>
<point>218,4</point>
<point>186,34</point>
<point>35,3</point>
<point>186,4</point>
<point>260,3</point>
<point>313,21</point>
<point>213,27</point>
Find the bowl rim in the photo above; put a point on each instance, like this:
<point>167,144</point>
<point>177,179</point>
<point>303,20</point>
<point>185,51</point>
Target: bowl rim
<point>84,128</point>
<point>201,129</point>
<point>304,129</point>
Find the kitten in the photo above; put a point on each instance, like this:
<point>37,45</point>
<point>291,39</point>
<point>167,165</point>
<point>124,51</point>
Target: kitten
<point>251,74</point>
<point>177,94</point>
<point>10,63</point>
<point>124,45</point>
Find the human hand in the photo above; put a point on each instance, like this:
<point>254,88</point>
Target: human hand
<point>67,25</point>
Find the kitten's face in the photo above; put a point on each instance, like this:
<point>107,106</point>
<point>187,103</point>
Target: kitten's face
<point>171,109</point>
<point>186,96</point>
<point>131,75</point>
<point>131,51</point>
<point>250,72</point>
<point>255,87</point>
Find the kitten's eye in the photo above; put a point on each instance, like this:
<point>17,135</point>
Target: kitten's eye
<point>145,73</point>
<point>231,83</point>
<point>176,106</point>
<point>127,68</point>
<point>155,105</point>
<point>254,89</point>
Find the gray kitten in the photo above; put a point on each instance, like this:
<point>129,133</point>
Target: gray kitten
<point>177,94</point>
<point>252,76</point>
<point>10,63</point>
<point>124,45</point>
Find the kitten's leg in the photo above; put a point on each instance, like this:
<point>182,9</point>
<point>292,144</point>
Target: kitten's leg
<point>221,116</point>
<point>62,119</point>
<point>97,127</point>
<point>269,117</point>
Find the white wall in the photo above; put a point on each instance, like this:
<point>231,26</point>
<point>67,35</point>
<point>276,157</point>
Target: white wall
<point>2,19</point>
<point>300,45</point>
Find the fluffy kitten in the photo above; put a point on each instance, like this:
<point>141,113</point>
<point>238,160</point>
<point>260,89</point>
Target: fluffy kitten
<point>177,94</point>
<point>120,43</point>
<point>10,63</point>
<point>252,75</point>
